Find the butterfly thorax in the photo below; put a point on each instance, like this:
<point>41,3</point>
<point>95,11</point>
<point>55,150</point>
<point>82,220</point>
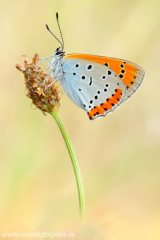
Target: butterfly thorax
<point>57,64</point>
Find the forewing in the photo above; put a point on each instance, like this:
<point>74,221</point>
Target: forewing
<point>131,74</point>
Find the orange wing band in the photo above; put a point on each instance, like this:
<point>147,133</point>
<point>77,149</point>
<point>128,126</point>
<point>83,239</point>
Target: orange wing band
<point>110,102</point>
<point>124,70</point>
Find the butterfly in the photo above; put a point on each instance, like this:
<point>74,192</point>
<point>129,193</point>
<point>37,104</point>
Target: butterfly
<point>98,85</point>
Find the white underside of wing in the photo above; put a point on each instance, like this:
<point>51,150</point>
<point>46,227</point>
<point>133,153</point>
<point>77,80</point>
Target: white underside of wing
<point>89,84</point>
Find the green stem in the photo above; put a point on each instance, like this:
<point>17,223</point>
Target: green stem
<point>74,161</point>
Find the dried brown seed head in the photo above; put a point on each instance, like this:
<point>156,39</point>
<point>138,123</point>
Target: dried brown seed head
<point>47,100</point>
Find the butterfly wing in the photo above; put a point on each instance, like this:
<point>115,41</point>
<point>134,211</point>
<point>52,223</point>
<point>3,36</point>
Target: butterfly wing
<point>94,87</point>
<point>131,74</point>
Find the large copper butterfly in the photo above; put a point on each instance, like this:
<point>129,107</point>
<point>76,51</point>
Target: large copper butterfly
<point>98,85</point>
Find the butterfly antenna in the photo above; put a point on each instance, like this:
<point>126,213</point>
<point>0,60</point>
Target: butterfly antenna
<point>55,36</point>
<point>60,31</point>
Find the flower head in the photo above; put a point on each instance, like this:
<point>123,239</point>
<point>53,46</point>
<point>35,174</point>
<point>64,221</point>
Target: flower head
<point>46,99</point>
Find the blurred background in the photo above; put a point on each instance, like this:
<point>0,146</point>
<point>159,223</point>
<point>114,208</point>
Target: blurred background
<point>119,156</point>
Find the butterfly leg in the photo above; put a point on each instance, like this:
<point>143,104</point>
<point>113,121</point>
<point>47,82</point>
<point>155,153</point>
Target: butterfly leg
<point>53,81</point>
<point>46,78</point>
<point>47,68</point>
<point>44,59</point>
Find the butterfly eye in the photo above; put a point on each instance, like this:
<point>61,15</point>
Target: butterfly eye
<point>77,65</point>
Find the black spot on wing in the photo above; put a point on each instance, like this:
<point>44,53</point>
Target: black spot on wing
<point>90,81</point>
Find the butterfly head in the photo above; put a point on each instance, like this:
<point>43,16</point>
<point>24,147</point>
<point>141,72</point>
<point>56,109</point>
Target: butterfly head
<point>58,53</point>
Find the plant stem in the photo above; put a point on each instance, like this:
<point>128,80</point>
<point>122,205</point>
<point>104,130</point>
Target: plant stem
<point>74,161</point>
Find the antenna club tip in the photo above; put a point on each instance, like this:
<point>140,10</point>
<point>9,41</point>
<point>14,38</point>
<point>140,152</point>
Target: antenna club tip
<point>47,26</point>
<point>57,15</point>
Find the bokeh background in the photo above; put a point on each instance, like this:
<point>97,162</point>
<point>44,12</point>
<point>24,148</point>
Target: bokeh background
<point>119,156</point>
